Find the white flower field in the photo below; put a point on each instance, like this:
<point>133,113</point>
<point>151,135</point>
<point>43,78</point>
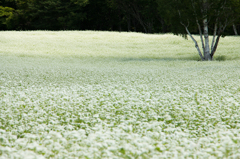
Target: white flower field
<point>116,101</point>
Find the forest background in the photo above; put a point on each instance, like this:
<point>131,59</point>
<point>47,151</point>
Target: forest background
<point>106,15</point>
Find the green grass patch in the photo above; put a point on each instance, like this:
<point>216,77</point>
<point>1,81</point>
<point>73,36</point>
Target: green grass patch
<point>108,44</point>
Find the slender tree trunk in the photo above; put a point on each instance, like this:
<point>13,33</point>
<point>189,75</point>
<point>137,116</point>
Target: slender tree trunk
<point>120,28</point>
<point>129,23</point>
<point>235,29</point>
<point>220,30</point>
<point>205,31</point>
<point>163,26</point>
<point>149,26</point>
<point>206,38</point>
<point>196,44</point>
<point>200,33</point>
<point>214,35</point>
<point>215,46</point>
<point>137,15</point>
<point>135,25</point>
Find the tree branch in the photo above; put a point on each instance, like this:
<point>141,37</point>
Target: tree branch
<point>214,34</point>
<point>221,29</point>
<point>196,44</point>
<point>199,26</point>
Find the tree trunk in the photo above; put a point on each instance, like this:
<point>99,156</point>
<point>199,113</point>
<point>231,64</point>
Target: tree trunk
<point>221,29</point>
<point>207,55</point>
<point>137,15</point>
<point>164,27</point>
<point>214,35</point>
<point>215,46</point>
<point>235,29</point>
<point>164,30</point>
<point>129,23</point>
<point>200,33</point>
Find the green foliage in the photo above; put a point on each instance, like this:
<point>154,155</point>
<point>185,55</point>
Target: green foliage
<point>81,2</point>
<point>6,13</point>
<point>148,16</point>
<point>143,12</point>
<point>101,15</point>
<point>55,14</point>
<point>49,14</point>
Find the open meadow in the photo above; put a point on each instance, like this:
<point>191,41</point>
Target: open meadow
<point>88,94</point>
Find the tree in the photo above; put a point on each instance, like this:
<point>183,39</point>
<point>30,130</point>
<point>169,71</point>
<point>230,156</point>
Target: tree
<point>202,16</point>
<point>101,15</point>
<point>143,11</point>
<point>7,10</point>
<point>5,15</point>
<point>38,14</point>
<point>55,14</point>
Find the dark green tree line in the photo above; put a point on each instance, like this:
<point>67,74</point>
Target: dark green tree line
<point>148,16</point>
<point>38,14</point>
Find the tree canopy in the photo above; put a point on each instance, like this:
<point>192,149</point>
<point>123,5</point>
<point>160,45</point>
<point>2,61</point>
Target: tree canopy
<point>148,16</point>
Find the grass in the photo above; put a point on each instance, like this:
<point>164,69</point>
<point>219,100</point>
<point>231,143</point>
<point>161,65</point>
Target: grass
<point>108,44</point>
<point>116,95</point>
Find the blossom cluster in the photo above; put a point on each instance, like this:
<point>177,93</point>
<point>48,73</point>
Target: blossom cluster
<point>118,108</point>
